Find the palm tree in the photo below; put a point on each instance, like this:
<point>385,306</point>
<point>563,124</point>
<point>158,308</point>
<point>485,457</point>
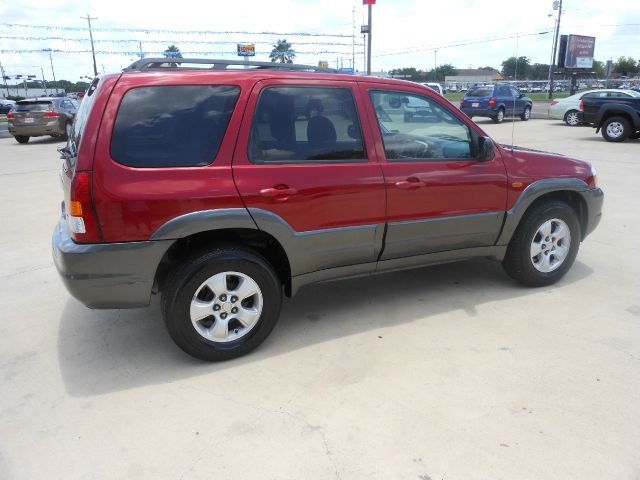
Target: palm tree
<point>282,52</point>
<point>173,52</point>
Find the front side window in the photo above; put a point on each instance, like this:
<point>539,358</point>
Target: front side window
<point>172,126</point>
<point>306,125</point>
<point>417,128</point>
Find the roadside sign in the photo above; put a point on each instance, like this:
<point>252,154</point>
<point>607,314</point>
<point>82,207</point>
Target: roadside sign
<point>246,50</point>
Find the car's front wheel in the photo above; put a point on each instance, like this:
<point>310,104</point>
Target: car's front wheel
<point>221,304</point>
<point>545,244</point>
<point>22,138</point>
<point>616,129</point>
<point>572,118</point>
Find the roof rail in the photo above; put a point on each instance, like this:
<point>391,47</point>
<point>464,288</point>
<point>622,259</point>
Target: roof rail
<point>217,64</point>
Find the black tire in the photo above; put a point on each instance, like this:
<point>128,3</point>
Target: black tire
<point>22,138</point>
<point>572,118</point>
<point>499,116</point>
<point>526,114</point>
<point>183,283</point>
<point>616,129</point>
<point>518,262</point>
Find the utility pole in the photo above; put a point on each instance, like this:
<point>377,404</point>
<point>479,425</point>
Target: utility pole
<point>52,72</point>
<point>44,81</point>
<point>435,59</point>
<point>555,47</point>
<point>93,52</point>
<point>141,54</point>
<point>353,39</point>
<point>4,79</point>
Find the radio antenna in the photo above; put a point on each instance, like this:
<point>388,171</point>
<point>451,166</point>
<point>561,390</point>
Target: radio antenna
<point>513,110</point>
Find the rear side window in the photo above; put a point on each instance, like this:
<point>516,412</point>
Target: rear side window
<point>306,125</point>
<point>172,126</point>
<point>33,106</point>
<point>480,92</point>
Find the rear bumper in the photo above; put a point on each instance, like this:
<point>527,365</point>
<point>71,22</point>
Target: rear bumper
<point>594,198</point>
<point>478,112</point>
<point>51,128</point>
<point>107,275</point>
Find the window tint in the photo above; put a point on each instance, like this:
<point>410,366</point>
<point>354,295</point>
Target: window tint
<point>503,91</point>
<point>172,126</point>
<point>617,95</point>
<point>480,92</point>
<point>33,106</point>
<point>306,124</point>
<point>514,92</point>
<point>417,128</point>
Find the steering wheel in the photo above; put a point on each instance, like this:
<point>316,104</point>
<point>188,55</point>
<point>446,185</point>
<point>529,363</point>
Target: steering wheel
<point>414,149</point>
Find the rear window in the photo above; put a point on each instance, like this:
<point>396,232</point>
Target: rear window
<point>33,106</point>
<point>480,92</point>
<point>172,126</point>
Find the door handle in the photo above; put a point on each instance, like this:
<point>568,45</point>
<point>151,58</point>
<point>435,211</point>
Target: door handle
<point>278,191</point>
<point>410,183</point>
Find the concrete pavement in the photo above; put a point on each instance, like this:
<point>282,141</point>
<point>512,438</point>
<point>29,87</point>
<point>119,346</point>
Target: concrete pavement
<point>449,372</point>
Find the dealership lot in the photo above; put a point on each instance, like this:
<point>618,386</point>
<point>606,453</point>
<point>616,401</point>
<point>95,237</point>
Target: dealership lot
<point>449,372</point>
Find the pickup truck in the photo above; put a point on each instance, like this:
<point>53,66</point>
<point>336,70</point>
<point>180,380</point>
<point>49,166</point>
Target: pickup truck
<point>618,117</point>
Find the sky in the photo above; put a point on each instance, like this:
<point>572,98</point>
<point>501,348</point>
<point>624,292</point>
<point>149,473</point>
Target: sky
<point>406,33</point>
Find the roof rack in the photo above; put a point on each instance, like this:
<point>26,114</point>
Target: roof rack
<point>217,64</point>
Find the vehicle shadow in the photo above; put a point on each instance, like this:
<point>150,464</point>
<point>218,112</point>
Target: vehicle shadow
<point>102,351</point>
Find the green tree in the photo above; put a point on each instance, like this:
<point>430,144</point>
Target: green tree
<point>172,52</point>
<point>522,64</point>
<point>538,71</point>
<point>438,73</point>
<point>626,66</point>
<point>408,73</point>
<point>489,68</point>
<point>282,52</point>
<point>599,67</point>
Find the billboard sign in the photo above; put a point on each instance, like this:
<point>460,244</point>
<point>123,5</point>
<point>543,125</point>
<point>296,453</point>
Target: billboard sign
<point>246,50</point>
<point>579,52</point>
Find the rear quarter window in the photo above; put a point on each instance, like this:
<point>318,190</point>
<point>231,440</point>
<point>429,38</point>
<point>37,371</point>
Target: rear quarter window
<point>172,126</point>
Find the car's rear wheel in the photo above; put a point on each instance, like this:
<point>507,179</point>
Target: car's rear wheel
<point>22,138</point>
<point>572,118</point>
<point>499,116</point>
<point>526,115</point>
<point>221,304</point>
<point>616,129</point>
<point>545,244</point>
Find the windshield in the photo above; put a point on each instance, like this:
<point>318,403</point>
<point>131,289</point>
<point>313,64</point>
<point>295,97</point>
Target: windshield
<point>33,106</point>
<point>480,92</point>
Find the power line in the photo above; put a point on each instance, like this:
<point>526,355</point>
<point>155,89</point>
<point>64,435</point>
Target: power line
<point>177,32</point>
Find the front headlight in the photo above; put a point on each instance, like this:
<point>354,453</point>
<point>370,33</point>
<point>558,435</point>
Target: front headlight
<point>593,179</point>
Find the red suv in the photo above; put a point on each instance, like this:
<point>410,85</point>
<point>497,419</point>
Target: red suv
<point>222,188</point>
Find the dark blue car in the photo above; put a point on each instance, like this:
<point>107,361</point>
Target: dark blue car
<point>496,102</point>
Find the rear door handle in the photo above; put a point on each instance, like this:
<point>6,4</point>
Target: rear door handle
<point>410,183</point>
<point>278,191</point>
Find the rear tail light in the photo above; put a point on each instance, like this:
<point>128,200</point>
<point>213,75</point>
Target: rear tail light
<point>51,113</point>
<point>492,102</point>
<point>555,102</point>
<point>80,215</point>
<point>582,105</point>
<point>10,115</point>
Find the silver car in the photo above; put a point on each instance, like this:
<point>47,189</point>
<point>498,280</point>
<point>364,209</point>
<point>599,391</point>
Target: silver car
<point>568,109</point>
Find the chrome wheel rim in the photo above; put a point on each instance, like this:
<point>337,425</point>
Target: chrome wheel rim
<point>500,115</point>
<point>226,307</point>
<point>572,119</point>
<point>550,245</point>
<point>615,129</point>
<point>527,113</point>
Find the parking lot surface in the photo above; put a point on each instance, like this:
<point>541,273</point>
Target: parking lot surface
<point>448,372</point>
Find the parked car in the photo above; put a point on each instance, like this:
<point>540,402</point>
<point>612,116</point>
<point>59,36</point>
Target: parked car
<point>6,105</point>
<point>204,186</point>
<point>568,109</point>
<point>435,86</point>
<point>496,102</point>
<point>618,117</point>
<point>41,116</point>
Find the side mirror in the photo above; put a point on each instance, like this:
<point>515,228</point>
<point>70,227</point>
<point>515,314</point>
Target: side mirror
<point>485,149</point>
<point>520,95</point>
